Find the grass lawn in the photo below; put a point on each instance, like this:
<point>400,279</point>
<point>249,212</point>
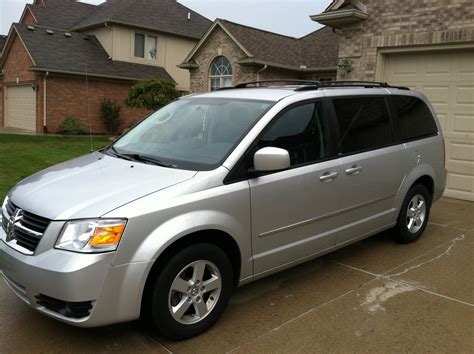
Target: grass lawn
<point>22,155</point>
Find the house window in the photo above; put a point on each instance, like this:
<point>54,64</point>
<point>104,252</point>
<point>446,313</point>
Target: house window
<point>145,46</point>
<point>151,50</point>
<point>220,74</point>
<point>139,45</point>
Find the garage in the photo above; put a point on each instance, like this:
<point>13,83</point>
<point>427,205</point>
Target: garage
<point>447,79</point>
<point>20,104</point>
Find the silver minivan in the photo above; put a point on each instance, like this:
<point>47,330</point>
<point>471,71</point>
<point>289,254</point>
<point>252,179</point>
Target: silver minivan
<point>214,191</point>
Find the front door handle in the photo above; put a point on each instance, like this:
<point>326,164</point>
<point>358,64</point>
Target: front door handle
<point>328,176</point>
<point>354,170</point>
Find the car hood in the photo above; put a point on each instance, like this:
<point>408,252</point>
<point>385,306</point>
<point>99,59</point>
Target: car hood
<point>91,186</point>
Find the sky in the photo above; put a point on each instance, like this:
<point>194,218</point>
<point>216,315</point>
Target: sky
<point>289,17</point>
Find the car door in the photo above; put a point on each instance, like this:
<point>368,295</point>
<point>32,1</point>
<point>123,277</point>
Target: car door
<point>295,212</point>
<point>373,166</point>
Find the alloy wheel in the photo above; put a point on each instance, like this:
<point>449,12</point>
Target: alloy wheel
<point>194,292</point>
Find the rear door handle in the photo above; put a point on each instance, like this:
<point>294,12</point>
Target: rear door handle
<point>328,176</point>
<point>354,170</point>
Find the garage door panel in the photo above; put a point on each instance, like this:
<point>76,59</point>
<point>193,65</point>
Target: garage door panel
<point>463,124</point>
<point>460,186</point>
<point>438,95</point>
<point>447,79</point>
<point>21,107</point>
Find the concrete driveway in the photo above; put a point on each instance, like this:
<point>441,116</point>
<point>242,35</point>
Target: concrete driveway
<point>373,296</point>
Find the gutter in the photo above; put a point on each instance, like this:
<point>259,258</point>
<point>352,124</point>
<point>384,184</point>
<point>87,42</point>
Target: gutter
<point>91,74</point>
<point>252,61</point>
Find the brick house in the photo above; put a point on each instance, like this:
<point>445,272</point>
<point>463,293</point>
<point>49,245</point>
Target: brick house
<point>64,57</point>
<point>426,45</point>
<point>230,53</point>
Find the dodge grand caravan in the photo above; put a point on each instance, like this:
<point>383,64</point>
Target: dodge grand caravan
<point>214,191</point>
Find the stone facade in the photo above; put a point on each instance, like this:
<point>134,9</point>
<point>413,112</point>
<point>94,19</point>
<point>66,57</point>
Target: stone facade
<point>404,23</point>
<point>219,43</point>
<point>65,95</point>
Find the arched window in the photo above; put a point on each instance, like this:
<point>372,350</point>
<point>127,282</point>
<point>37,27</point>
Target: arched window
<point>220,74</point>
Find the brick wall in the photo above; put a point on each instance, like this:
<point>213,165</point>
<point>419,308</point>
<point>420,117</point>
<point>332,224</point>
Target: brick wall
<point>69,96</point>
<point>65,94</point>
<point>219,43</point>
<point>29,20</point>
<point>403,23</point>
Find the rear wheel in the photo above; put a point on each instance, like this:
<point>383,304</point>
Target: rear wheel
<point>414,215</point>
<point>190,292</point>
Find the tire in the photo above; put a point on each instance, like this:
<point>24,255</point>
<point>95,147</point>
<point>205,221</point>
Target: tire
<point>179,287</point>
<point>414,215</point>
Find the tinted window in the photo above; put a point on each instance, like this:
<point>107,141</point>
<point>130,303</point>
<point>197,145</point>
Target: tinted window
<point>363,123</point>
<point>415,118</point>
<point>302,132</point>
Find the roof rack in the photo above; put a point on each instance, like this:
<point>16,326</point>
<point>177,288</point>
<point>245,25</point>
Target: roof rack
<point>308,85</point>
<point>286,81</point>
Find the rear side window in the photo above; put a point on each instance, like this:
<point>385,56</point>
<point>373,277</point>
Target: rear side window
<point>364,123</point>
<point>415,118</point>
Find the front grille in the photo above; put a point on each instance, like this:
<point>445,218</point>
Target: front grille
<point>65,308</point>
<point>28,230</point>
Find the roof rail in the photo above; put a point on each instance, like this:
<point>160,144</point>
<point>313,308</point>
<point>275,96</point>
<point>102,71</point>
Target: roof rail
<point>308,85</point>
<point>286,81</point>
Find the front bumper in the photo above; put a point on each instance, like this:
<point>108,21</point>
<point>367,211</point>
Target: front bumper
<point>114,292</point>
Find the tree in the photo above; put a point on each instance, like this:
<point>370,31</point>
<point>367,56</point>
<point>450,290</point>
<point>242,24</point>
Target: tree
<point>151,94</point>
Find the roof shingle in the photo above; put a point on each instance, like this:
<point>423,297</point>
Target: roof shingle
<point>80,54</point>
<point>162,15</point>
<point>315,50</point>
<point>61,13</point>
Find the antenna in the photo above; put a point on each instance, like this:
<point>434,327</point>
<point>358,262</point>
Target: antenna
<point>88,108</point>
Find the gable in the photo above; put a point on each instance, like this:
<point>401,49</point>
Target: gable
<point>17,61</point>
<point>219,43</point>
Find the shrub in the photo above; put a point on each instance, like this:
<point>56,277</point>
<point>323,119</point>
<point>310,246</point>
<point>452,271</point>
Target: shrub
<point>110,114</point>
<point>151,94</point>
<point>71,125</point>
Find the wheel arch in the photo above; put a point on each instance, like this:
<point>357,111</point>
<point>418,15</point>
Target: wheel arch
<point>423,174</point>
<point>213,236</point>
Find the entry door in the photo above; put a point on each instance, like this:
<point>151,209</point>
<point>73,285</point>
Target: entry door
<point>373,168</point>
<point>295,212</point>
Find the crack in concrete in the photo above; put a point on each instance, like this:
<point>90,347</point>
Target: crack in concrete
<point>445,253</point>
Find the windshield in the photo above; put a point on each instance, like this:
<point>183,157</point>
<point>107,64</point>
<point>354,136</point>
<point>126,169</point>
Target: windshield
<point>192,133</point>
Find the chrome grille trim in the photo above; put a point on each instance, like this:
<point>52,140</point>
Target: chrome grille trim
<point>27,231</point>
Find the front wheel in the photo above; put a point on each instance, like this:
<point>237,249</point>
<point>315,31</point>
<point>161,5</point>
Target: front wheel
<point>414,215</point>
<point>191,291</point>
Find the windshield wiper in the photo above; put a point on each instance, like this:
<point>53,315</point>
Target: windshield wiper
<point>147,159</point>
<point>119,155</point>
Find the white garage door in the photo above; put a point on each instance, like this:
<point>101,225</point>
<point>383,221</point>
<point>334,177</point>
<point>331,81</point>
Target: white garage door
<point>20,103</point>
<point>447,79</point>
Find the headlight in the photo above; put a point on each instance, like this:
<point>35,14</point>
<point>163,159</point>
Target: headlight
<point>91,236</point>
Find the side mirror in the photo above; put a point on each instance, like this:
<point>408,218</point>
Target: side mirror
<point>271,159</point>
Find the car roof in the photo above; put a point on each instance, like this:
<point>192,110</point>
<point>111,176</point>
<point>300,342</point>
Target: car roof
<point>257,93</point>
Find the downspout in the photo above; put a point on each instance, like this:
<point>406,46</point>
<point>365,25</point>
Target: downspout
<point>260,71</point>
<point>45,128</point>
<point>112,46</point>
